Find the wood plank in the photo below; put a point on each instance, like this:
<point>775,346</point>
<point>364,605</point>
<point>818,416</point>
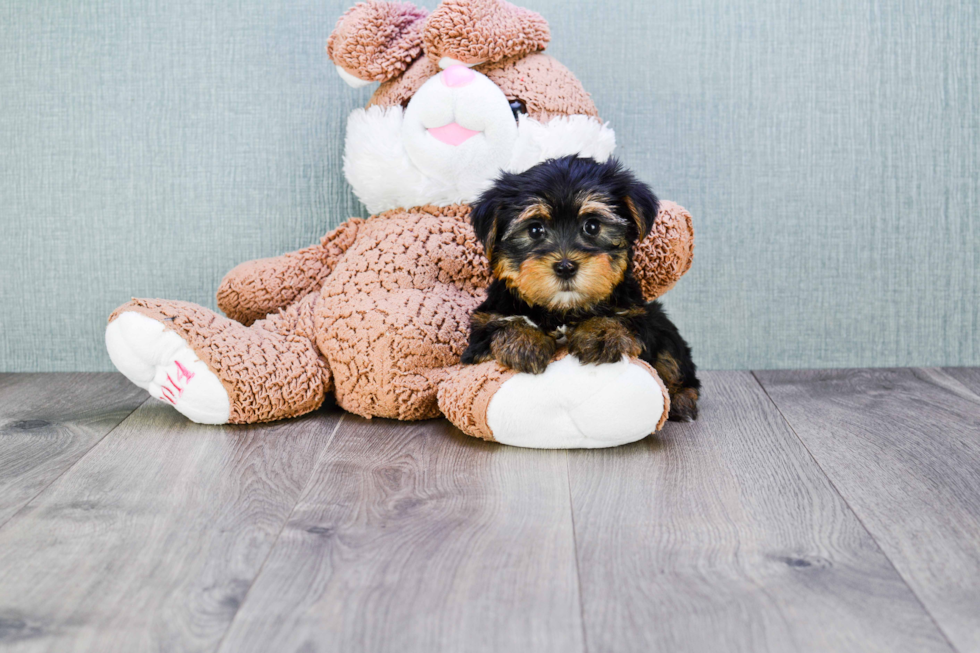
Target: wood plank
<point>49,421</point>
<point>724,535</point>
<point>414,537</point>
<point>903,447</point>
<point>152,540</point>
<point>968,376</point>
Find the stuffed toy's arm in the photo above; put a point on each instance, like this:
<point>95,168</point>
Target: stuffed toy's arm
<point>666,253</point>
<point>254,289</point>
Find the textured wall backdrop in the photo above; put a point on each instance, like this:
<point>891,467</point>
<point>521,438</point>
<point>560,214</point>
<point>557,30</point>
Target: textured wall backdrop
<point>828,150</point>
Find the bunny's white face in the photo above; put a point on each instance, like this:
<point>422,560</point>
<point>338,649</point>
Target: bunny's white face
<point>459,128</point>
<point>456,135</point>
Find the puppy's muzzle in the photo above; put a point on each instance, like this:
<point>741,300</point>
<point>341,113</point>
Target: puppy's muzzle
<point>565,269</point>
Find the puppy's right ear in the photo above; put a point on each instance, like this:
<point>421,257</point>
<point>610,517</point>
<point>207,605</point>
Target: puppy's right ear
<point>642,204</point>
<point>485,218</point>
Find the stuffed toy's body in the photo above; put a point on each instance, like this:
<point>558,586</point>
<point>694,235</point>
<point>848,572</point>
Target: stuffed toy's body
<point>378,312</point>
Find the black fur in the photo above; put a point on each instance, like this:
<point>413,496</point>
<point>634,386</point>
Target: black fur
<point>557,181</point>
<point>560,183</point>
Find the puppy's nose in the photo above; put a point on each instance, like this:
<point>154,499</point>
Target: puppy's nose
<point>457,76</point>
<point>565,269</point>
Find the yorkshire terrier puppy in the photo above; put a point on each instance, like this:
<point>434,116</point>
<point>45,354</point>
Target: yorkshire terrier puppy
<point>560,241</point>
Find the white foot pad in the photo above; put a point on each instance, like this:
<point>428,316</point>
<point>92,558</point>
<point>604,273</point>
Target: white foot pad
<point>572,406</point>
<point>161,362</point>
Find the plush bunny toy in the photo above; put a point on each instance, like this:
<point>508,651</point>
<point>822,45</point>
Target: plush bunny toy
<point>378,311</point>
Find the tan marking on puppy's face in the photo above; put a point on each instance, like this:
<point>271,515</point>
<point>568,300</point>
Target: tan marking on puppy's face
<point>505,270</point>
<point>535,280</point>
<point>539,210</point>
<point>596,204</point>
<point>598,275</point>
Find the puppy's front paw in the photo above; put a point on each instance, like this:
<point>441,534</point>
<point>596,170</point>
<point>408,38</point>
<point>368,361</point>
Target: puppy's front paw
<point>523,348</point>
<point>603,340</point>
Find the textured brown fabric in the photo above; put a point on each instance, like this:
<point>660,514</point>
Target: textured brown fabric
<point>398,91</point>
<point>475,31</point>
<point>254,289</point>
<point>298,319</point>
<point>268,375</point>
<point>466,393</point>
<point>375,40</point>
<point>666,253</point>
<point>547,88</point>
<point>396,310</point>
<point>663,389</point>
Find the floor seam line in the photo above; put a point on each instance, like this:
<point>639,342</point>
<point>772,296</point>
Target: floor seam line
<point>854,512</point>
<point>578,569</point>
<point>71,466</point>
<point>275,541</point>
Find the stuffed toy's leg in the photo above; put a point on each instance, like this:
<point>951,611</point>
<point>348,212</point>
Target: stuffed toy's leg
<point>389,350</point>
<point>569,406</point>
<point>215,370</point>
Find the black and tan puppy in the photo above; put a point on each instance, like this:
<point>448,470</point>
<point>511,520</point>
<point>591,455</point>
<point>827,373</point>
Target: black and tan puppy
<point>560,241</point>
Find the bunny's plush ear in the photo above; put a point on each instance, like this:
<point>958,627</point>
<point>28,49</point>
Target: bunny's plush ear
<point>375,41</point>
<point>666,253</point>
<point>471,32</point>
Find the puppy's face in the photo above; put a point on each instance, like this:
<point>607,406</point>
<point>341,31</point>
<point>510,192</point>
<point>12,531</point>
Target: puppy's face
<point>561,233</point>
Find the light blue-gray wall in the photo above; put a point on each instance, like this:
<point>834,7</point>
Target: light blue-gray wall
<point>828,149</point>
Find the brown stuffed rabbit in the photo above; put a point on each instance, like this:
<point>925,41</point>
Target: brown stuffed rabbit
<point>378,311</point>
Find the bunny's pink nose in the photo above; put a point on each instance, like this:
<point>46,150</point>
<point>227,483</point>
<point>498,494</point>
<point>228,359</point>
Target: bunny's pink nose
<point>457,76</point>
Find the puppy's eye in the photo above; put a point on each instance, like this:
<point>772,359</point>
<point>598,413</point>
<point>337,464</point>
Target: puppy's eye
<point>535,231</point>
<point>592,227</point>
<point>518,107</point>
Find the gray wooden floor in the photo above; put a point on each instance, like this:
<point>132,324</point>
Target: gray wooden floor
<point>805,511</point>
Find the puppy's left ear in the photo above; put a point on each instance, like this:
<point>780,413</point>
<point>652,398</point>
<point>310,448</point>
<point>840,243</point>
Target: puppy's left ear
<point>643,207</point>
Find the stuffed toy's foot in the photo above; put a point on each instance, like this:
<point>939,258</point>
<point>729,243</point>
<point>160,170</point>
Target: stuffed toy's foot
<point>569,406</point>
<point>161,362</point>
<point>215,370</point>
